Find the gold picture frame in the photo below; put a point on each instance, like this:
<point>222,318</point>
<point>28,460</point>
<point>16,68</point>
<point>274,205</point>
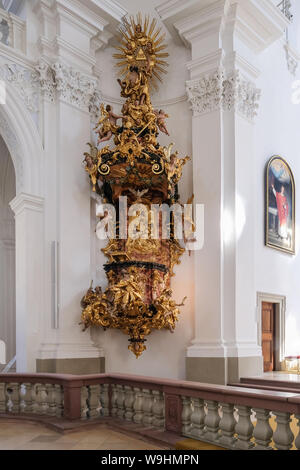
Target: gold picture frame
<point>280,206</point>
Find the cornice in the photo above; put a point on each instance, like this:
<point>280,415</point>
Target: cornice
<point>235,61</point>
<point>111,8</point>
<point>15,56</point>
<point>205,64</point>
<point>203,22</point>
<point>27,202</point>
<point>257,23</point>
<point>80,15</point>
<point>58,47</point>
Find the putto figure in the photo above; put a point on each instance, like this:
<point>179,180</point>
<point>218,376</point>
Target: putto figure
<point>160,119</point>
<point>108,123</point>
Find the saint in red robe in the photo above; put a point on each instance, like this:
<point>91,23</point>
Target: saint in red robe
<point>283,213</point>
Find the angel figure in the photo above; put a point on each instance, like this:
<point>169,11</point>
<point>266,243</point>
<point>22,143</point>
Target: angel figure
<point>91,168</point>
<point>174,167</point>
<point>108,121</point>
<point>160,120</point>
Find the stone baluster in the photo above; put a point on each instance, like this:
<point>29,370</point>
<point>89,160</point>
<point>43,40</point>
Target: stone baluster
<point>8,393</point>
<point>283,436</point>
<point>114,397</point>
<point>51,400</point>
<point>22,397</point>
<point>38,400</point>
<point>227,425</point>
<point>93,401</point>
<point>28,409</point>
<point>59,400</point>
<point>120,401</point>
<point>197,418</point>
<point>2,398</point>
<point>129,401</point>
<point>297,441</point>
<point>148,407</point>
<point>212,420</point>
<point>186,416</point>
<point>34,399</point>
<point>42,399</point>
<point>244,428</point>
<point>262,432</point>
<point>14,393</point>
<point>84,402</point>
<point>138,406</point>
<point>158,409</point>
<point>104,398</point>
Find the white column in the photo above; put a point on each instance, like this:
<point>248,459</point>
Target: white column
<point>29,219</point>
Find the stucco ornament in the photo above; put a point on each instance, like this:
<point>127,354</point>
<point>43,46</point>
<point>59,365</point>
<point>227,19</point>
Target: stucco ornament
<point>205,94</point>
<point>25,82</point>
<point>70,85</point>
<point>220,91</point>
<point>241,95</point>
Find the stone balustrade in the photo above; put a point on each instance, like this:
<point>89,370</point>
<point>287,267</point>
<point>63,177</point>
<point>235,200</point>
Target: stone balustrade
<point>230,417</point>
<point>12,31</point>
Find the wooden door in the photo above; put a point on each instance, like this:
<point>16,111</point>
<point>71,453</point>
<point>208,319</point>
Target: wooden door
<point>268,336</point>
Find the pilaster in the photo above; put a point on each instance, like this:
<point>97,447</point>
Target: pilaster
<point>29,222</point>
<point>225,38</point>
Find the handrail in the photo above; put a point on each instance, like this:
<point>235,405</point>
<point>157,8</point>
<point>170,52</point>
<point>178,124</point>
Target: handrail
<point>202,411</point>
<point>9,365</point>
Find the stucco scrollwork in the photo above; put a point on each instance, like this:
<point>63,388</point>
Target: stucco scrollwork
<point>25,82</point>
<point>241,95</point>
<point>73,86</point>
<point>205,93</point>
<point>218,91</point>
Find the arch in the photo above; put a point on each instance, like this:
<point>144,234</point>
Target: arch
<point>23,142</point>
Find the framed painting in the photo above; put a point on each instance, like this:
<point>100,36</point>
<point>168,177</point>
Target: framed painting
<point>280,206</point>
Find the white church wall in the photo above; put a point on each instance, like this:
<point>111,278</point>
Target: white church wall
<point>277,133</point>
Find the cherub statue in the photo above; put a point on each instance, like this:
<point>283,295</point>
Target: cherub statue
<point>174,167</point>
<point>108,120</point>
<point>160,120</point>
<point>91,169</point>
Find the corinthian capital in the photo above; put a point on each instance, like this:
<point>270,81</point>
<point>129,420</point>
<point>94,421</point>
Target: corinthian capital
<point>205,93</point>
<point>218,91</point>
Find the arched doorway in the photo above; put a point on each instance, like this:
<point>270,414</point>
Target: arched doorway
<point>7,253</point>
<point>24,143</point>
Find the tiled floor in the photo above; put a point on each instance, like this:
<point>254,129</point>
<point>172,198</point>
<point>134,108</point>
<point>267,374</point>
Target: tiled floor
<point>27,436</point>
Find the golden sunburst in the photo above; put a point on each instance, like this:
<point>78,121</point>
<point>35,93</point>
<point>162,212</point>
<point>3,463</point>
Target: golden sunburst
<point>142,46</point>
